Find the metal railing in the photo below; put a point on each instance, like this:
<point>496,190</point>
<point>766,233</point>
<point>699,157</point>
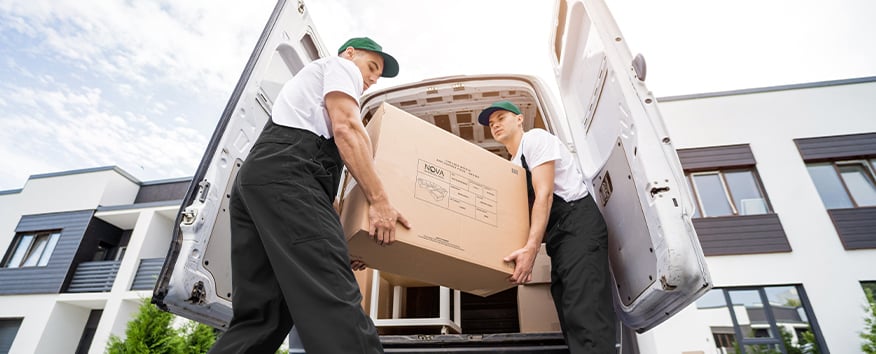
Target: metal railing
<point>97,276</point>
<point>147,273</point>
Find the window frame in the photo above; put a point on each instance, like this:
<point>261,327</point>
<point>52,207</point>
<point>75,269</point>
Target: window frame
<point>34,237</point>
<point>700,212</point>
<point>742,341</point>
<point>868,164</point>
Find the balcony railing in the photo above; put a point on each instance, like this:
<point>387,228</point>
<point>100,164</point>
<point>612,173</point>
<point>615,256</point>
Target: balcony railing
<point>147,273</point>
<point>95,276</point>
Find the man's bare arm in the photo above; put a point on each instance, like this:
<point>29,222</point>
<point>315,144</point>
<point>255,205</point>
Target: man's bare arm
<point>524,258</point>
<point>354,145</point>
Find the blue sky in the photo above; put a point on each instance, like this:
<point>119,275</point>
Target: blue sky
<point>141,85</point>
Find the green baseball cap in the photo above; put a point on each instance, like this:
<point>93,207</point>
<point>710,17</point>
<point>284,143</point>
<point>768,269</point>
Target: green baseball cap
<point>484,117</point>
<point>390,65</point>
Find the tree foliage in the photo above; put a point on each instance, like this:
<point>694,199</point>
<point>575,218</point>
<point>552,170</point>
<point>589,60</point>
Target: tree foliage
<point>152,332</point>
<point>869,333</point>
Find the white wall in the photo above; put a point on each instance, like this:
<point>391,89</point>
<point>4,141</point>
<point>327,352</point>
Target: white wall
<point>63,330</point>
<point>118,190</point>
<point>35,311</point>
<point>51,194</point>
<point>113,322</point>
<point>769,122</point>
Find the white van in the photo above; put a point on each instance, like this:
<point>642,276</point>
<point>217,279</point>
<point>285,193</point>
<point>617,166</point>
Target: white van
<point>605,115</point>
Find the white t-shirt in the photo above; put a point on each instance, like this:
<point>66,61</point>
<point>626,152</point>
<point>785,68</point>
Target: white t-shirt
<point>301,102</point>
<point>539,147</point>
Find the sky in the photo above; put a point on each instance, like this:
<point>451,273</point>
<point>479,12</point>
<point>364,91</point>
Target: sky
<point>141,84</point>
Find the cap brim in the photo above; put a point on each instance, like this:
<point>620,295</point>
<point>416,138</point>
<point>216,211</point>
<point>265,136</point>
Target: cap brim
<point>390,65</point>
<point>484,117</point>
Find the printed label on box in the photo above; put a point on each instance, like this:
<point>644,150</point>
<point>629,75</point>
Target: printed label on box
<point>456,191</point>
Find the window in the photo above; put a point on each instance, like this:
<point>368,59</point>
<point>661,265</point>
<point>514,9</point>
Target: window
<point>869,285</point>
<point>845,184</point>
<point>772,319</point>
<point>32,249</point>
<point>8,330</point>
<point>728,192</point>
<point>88,333</point>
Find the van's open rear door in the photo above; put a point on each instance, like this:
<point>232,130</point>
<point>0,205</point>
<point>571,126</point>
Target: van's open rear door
<point>631,165</point>
<point>195,281</point>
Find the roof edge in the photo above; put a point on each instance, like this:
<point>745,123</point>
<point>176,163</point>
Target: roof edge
<point>806,85</point>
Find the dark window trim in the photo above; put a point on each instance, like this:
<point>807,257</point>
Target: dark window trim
<point>744,234</point>
<point>704,158</point>
<point>845,228</point>
<point>837,147</point>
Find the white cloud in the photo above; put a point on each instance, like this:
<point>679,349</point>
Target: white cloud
<point>71,129</point>
<point>195,45</point>
<point>15,67</point>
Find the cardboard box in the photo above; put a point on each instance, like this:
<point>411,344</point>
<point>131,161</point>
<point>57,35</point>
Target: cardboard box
<point>384,301</point>
<point>467,207</point>
<point>535,309</point>
<point>541,269</point>
<point>535,305</point>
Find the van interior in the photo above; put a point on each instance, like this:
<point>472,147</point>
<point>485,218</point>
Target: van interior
<point>453,105</point>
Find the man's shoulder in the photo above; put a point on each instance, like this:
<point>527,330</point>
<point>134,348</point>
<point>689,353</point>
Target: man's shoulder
<point>538,134</point>
<point>333,61</point>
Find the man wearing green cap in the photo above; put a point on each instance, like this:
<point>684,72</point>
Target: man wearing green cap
<point>289,260</point>
<point>565,217</point>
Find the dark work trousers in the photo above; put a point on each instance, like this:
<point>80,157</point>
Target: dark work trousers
<point>576,239</point>
<point>289,258</point>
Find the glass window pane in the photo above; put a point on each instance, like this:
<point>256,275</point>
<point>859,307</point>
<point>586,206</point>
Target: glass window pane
<point>750,314</point>
<point>860,184</point>
<point>746,194</point>
<point>696,209</point>
<point>790,316</point>
<point>763,349</point>
<point>712,195</point>
<point>20,251</point>
<point>829,186</point>
<point>713,298</point>
<point>50,247</point>
<point>767,315</point>
<point>33,257</point>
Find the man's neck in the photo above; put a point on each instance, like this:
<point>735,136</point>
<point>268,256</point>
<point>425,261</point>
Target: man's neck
<point>514,143</point>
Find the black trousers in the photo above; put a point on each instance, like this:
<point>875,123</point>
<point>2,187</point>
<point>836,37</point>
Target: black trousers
<point>577,242</point>
<point>289,258</point>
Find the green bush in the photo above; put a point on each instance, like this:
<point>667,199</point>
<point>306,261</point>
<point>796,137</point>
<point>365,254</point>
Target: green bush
<point>152,332</point>
<point>869,333</point>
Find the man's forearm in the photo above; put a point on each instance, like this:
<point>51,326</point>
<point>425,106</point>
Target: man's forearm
<point>538,220</point>
<point>355,149</point>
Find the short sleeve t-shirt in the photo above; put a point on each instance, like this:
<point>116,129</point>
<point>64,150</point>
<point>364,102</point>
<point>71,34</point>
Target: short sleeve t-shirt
<point>301,102</point>
<point>539,147</point>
